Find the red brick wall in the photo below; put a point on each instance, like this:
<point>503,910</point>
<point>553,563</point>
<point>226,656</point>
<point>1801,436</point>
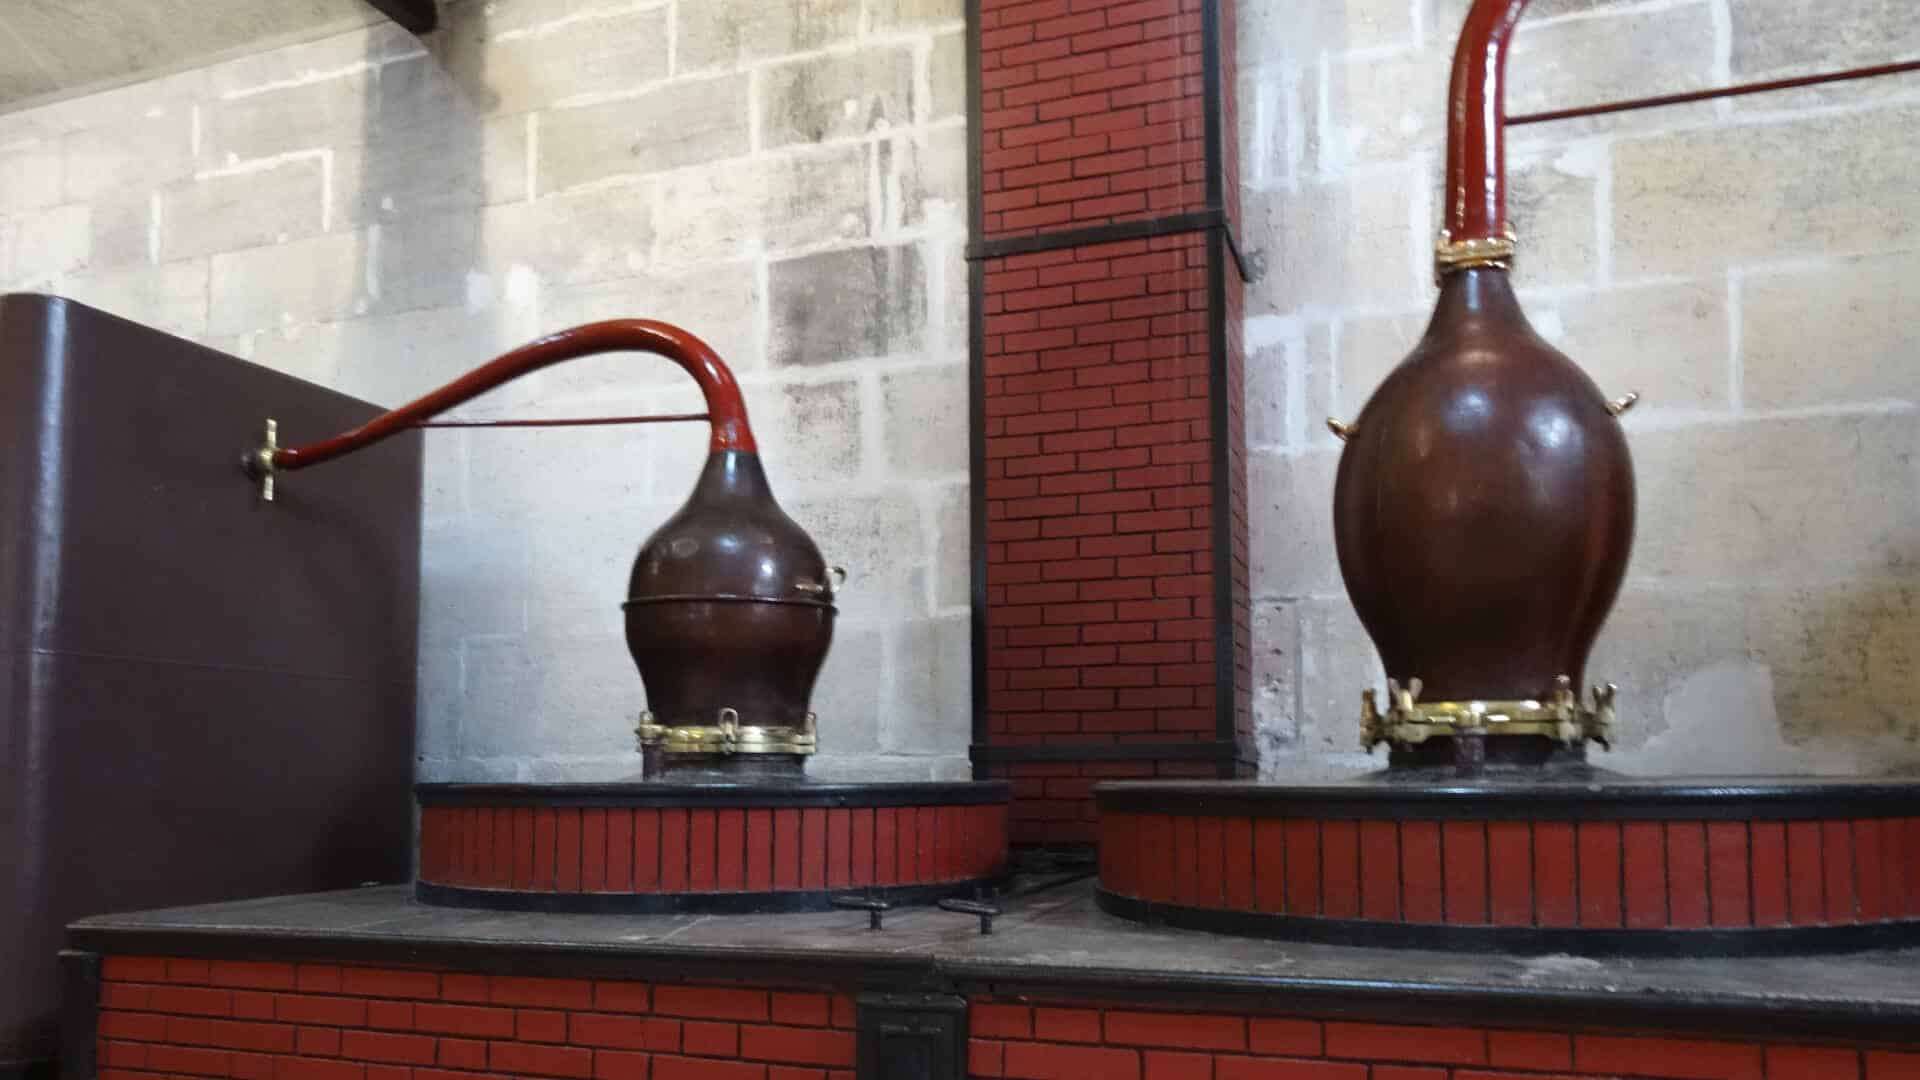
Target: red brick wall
<point>1099,487</point>
<point>1633,875</point>
<point>280,1021</point>
<point>1099,507</point>
<point>651,850</point>
<point>1091,112</point>
<point>1013,1039</point>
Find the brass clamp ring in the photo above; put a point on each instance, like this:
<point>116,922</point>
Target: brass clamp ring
<point>1561,717</point>
<point>727,735</point>
<point>1450,255</point>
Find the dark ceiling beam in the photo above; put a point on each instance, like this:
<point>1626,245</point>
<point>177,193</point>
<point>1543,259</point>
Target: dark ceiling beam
<point>417,16</point>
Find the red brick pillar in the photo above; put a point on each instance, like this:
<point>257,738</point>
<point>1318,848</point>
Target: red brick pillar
<point>1109,495</point>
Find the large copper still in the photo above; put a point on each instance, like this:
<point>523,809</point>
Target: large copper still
<point>1484,506</point>
<point>729,608</point>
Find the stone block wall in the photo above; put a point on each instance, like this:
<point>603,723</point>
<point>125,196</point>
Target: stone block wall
<point>789,181</point>
<point>379,214</point>
<point>1745,265</point>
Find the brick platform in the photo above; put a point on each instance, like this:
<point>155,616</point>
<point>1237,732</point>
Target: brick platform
<point>368,985</point>
<point>1612,865</point>
<point>691,847</point>
<point>1084,1040</point>
<point>266,1020</point>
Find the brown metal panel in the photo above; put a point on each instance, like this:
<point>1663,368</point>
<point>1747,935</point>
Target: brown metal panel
<point>202,696</point>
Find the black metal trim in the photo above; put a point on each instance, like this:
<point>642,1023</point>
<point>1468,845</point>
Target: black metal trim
<point>79,1013</point>
<point>977,493</point>
<point>1138,229</point>
<point>783,902</point>
<point>1517,940</point>
<point>720,796</point>
<point>1213,218</point>
<point>1186,751</point>
<point>1705,1013</point>
<point>415,16</point>
<point>938,1022</point>
<point>1220,463</point>
<point>1211,102</point>
<point>976,388</point>
<point>1599,800</point>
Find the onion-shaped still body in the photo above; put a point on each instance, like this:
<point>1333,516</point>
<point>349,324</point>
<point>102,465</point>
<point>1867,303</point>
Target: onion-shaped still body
<point>1484,506</point>
<point>729,605</point>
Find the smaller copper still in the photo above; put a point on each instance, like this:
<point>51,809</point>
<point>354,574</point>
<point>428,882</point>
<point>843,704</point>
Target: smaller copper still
<point>1484,505</point>
<point>730,605</point>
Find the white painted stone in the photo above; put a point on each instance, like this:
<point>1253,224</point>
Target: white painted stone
<point>1842,332</point>
<point>838,95</point>
<point>33,175</point>
<point>929,710</point>
<point>674,125</point>
<point>244,207</point>
<point>48,245</point>
<point>1290,518</point>
<point>1697,201</point>
<point>320,279</point>
<point>718,33</point>
<point>170,297</point>
<point>926,421</point>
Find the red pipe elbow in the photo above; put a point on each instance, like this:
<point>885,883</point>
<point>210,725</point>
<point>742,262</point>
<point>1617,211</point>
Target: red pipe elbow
<point>726,410</point>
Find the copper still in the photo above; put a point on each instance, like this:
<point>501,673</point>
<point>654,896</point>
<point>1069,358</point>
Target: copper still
<point>1484,506</point>
<point>729,609</point>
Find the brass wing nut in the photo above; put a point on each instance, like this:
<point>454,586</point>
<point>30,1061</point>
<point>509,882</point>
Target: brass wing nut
<point>258,462</point>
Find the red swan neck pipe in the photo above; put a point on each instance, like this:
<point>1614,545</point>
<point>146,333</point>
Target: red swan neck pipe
<point>725,408</point>
<point>1476,117</point>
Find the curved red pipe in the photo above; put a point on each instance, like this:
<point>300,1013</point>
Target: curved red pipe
<point>1476,117</point>
<point>725,408</point>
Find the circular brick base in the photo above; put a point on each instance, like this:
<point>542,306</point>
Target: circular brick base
<point>652,847</point>
<point>1607,866</point>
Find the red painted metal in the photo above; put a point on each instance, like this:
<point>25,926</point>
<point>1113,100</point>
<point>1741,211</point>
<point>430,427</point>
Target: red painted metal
<point>569,421</point>
<point>725,408</point>
<point>1476,114</point>
<point>1765,86</point>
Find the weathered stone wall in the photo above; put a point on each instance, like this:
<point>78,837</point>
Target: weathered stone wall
<point>1748,266</point>
<point>786,180</point>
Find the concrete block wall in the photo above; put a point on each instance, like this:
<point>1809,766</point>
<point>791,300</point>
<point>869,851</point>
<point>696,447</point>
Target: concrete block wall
<point>380,214</point>
<point>1747,265</point>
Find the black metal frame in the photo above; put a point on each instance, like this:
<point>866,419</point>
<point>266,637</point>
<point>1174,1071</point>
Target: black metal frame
<point>416,16</point>
<point>790,795</point>
<point>79,1013</point>
<point>1220,391</point>
<point>775,902</point>
<point>1599,800</point>
<point>976,392</point>
<point>1516,940</point>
